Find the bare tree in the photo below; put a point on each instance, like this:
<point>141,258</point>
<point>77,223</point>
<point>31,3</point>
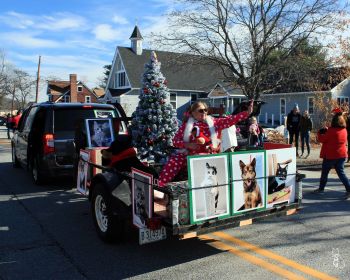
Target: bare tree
<point>240,35</point>
<point>24,87</point>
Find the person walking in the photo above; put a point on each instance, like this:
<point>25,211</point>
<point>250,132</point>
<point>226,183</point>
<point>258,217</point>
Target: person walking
<point>293,126</point>
<point>305,129</point>
<point>334,151</point>
<point>348,130</point>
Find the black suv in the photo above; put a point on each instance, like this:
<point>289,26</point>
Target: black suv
<point>44,142</point>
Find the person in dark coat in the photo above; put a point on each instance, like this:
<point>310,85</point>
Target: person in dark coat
<point>293,126</point>
<point>9,125</point>
<point>334,152</point>
<point>305,129</point>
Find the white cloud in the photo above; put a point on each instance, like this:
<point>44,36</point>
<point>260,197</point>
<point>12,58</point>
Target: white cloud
<point>119,19</point>
<point>105,32</point>
<point>17,20</point>
<point>54,22</point>
<point>61,21</point>
<point>27,40</point>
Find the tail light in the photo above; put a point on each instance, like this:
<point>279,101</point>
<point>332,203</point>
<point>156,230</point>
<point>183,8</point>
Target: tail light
<point>49,143</point>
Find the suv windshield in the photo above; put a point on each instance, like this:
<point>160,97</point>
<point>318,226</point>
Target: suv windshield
<point>67,119</point>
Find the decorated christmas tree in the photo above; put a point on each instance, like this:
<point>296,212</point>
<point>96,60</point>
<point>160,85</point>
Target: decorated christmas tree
<point>154,121</point>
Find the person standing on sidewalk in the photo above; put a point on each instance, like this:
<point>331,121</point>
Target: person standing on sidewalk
<point>16,119</point>
<point>293,126</point>
<point>305,129</point>
<point>9,125</point>
<point>334,151</point>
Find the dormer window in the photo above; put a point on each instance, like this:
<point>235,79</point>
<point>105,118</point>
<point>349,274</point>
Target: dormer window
<point>80,88</point>
<point>121,79</point>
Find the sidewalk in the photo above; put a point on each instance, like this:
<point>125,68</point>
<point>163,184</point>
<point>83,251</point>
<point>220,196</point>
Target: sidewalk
<point>313,162</point>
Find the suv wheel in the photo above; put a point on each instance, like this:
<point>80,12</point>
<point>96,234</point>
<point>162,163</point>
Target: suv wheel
<point>109,227</point>
<point>38,178</point>
<point>15,162</point>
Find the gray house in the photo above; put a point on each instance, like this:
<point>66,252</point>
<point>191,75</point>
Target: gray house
<point>278,105</point>
<point>189,78</point>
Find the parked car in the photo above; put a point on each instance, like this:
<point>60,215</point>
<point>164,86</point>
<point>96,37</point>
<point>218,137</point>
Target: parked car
<point>44,141</point>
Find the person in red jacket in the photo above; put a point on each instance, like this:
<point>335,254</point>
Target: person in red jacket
<point>16,119</point>
<point>334,151</point>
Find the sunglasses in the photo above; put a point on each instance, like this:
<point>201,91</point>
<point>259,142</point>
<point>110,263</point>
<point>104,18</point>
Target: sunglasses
<point>202,111</point>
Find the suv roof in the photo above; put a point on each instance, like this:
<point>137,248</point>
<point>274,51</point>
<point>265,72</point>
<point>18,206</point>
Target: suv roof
<point>72,105</point>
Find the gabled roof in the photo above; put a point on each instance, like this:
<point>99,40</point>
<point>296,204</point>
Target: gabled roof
<point>136,34</point>
<point>183,71</point>
<point>224,89</point>
<point>63,88</point>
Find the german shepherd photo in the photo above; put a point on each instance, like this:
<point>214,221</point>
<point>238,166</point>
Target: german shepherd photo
<point>251,190</point>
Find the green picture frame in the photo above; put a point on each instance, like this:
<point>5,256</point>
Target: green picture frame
<point>248,181</point>
<point>209,181</point>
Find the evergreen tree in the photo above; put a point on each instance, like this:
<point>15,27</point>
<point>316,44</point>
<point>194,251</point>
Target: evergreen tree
<point>154,121</point>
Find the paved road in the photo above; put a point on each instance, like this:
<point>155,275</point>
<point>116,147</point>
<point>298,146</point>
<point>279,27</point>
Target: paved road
<point>47,233</point>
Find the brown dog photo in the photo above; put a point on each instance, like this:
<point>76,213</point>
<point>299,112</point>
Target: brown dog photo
<point>251,190</point>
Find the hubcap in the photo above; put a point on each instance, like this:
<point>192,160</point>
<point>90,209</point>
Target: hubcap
<point>100,213</point>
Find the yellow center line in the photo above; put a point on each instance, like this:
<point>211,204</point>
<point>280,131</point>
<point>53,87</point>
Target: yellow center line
<point>269,254</point>
<point>255,260</point>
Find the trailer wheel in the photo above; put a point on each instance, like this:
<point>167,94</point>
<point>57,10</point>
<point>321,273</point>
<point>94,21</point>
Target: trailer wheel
<point>108,225</point>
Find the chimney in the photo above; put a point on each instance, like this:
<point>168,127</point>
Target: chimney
<point>73,88</point>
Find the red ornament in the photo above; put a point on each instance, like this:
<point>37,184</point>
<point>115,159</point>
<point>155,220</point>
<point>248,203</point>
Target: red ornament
<point>162,101</point>
<point>148,129</point>
<point>150,142</point>
<point>145,90</point>
<point>156,84</point>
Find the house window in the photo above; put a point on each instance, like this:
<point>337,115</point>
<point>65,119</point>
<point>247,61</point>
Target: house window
<point>87,99</point>
<point>282,106</point>
<point>310,105</point>
<point>173,100</point>
<point>80,88</point>
<point>342,100</point>
<point>121,79</point>
<point>66,99</point>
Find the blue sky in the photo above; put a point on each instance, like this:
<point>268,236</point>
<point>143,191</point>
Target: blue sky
<point>74,36</point>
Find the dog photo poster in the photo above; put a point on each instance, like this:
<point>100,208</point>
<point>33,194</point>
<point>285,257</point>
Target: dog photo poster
<point>142,202</point>
<point>281,169</point>
<point>248,180</point>
<point>83,166</point>
<point>210,174</point>
<point>99,132</point>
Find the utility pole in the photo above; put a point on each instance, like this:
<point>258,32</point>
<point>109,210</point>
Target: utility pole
<point>37,81</point>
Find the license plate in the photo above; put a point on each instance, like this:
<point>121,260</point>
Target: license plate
<point>147,235</point>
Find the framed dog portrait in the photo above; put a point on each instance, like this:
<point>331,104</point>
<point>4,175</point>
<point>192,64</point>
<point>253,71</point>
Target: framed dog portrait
<point>83,167</point>
<point>281,169</point>
<point>248,181</point>
<point>209,181</point>
<point>99,132</point>
<point>142,201</point>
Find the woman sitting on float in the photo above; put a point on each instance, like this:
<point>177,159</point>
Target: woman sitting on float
<point>209,127</point>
